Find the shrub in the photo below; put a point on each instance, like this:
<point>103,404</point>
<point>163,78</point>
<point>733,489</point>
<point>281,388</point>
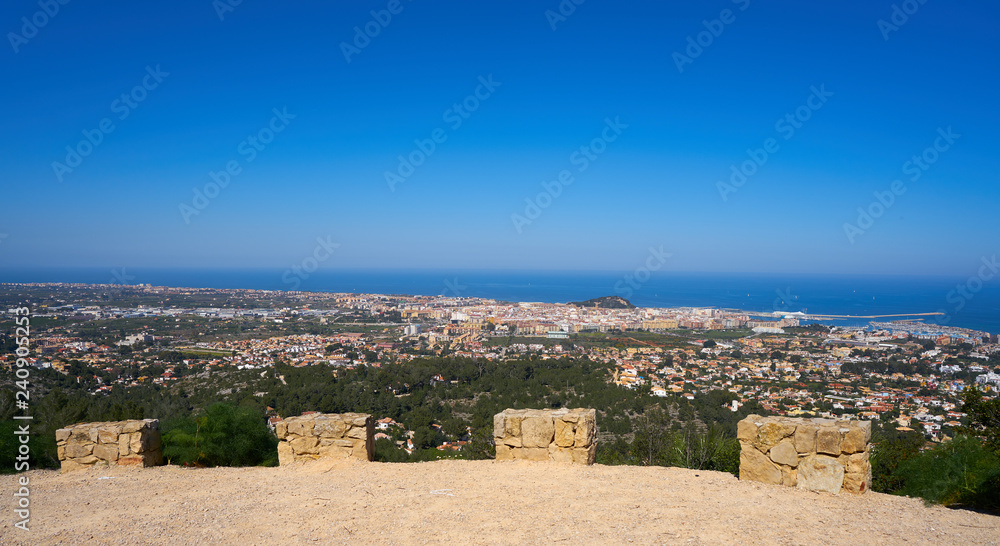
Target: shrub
<point>962,472</point>
<point>222,435</point>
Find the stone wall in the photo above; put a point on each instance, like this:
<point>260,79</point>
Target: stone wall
<point>816,454</point>
<point>564,435</point>
<point>326,435</point>
<point>127,443</point>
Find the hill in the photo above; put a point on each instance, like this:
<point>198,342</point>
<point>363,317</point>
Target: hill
<point>605,302</point>
<point>464,501</point>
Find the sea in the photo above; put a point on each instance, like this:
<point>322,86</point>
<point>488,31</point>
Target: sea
<point>967,302</point>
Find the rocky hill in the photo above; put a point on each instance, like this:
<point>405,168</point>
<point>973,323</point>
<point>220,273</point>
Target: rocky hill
<point>464,502</point>
<point>605,302</point>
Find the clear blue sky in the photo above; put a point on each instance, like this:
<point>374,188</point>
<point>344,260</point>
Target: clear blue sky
<point>656,184</point>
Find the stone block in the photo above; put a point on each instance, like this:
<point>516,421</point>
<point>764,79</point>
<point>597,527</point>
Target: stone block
<point>771,433</point>
<point>854,441</point>
<point>499,425</point>
<point>585,455</point>
<point>757,467</point>
<point>107,452</point>
<point>785,453</point>
<point>512,425</point>
<point>305,445</point>
<point>559,454</point>
<point>805,438</point>
<point>281,430</point>
<point>747,428</point>
<point>789,476</point>
<point>123,445</point>
<point>537,431</point>
<point>828,440</point>
<point>74,451</point>
<point>285,454</point>
<point>532,454</point>
<point>505,453</point>
<point>565,435</point>
<point>109,434</point>
<point>62,435</point>
<point>820,473</point>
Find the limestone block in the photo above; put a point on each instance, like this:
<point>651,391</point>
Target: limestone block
<point>300,426</point>
<point>757,467</point>
<point>135,442</point>
<point>123,445</point>
<point>559,454</point>
<point>285,454</point>
<point>75,450</point>
<point>499,425</point>
<point>854,441</point>
<point>89,459</point>
<point>107,452</point>
<point>281,430</point>
<point>789,476</point>
<point>828,440</point>
<point>585,455</point>
<point>820,473</point>
<point>505,453</point>
<point>305,445</point>
<point>564,433</point>
<point>772,432</point>
<point>785,453</point>
<point>537,430</point>
<point>109,434</point>
<point>532,453</point>
<point>62,435</point>
<point>512,441</point>
<point>747,428</point>
<point>357,432</point>
<point>512,425</point>
<point>586,428</point>
<point>805,438</point>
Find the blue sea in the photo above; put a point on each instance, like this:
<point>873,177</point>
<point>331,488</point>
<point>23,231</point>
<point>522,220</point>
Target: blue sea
<point>977,308</point>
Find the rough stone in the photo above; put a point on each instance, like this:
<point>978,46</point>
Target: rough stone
<point>805,438</point>
<point>108,452</point>
<point>772,432</point>
<point>499,425</point>
<point>537,431</point>
<point>854,441</point>
<point>565,435</point>
<point>109,435</point>
<point>285,454</point>
<point>789,476</point>
<point>512,425</point>
<point>828,440</point>
<point>74,451</point>
<point>327,435</point>
<point>281,430</point>
<point>785,453</point>
<point>821,473</point>
<point>305,445</point>
<point>757,467</point>
<point>747,428</point>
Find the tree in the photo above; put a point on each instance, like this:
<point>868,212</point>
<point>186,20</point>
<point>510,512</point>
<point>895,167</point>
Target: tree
<point>984,418</point>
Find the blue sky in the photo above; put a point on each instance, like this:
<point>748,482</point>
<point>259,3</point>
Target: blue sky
<point>219,80</point>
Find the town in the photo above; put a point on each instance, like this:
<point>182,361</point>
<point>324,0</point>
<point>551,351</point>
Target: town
<point>910,372</point>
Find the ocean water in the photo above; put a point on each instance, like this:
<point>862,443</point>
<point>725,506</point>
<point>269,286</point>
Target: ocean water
<point>977,308</point>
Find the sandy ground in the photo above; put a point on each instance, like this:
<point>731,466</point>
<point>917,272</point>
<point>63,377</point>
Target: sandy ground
<point>460,501</point>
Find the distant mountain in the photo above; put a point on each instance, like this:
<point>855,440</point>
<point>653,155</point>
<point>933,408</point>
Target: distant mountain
<point>606,302</point>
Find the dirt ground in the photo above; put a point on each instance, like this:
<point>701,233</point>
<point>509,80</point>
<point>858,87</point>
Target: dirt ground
<point>481,502</point>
